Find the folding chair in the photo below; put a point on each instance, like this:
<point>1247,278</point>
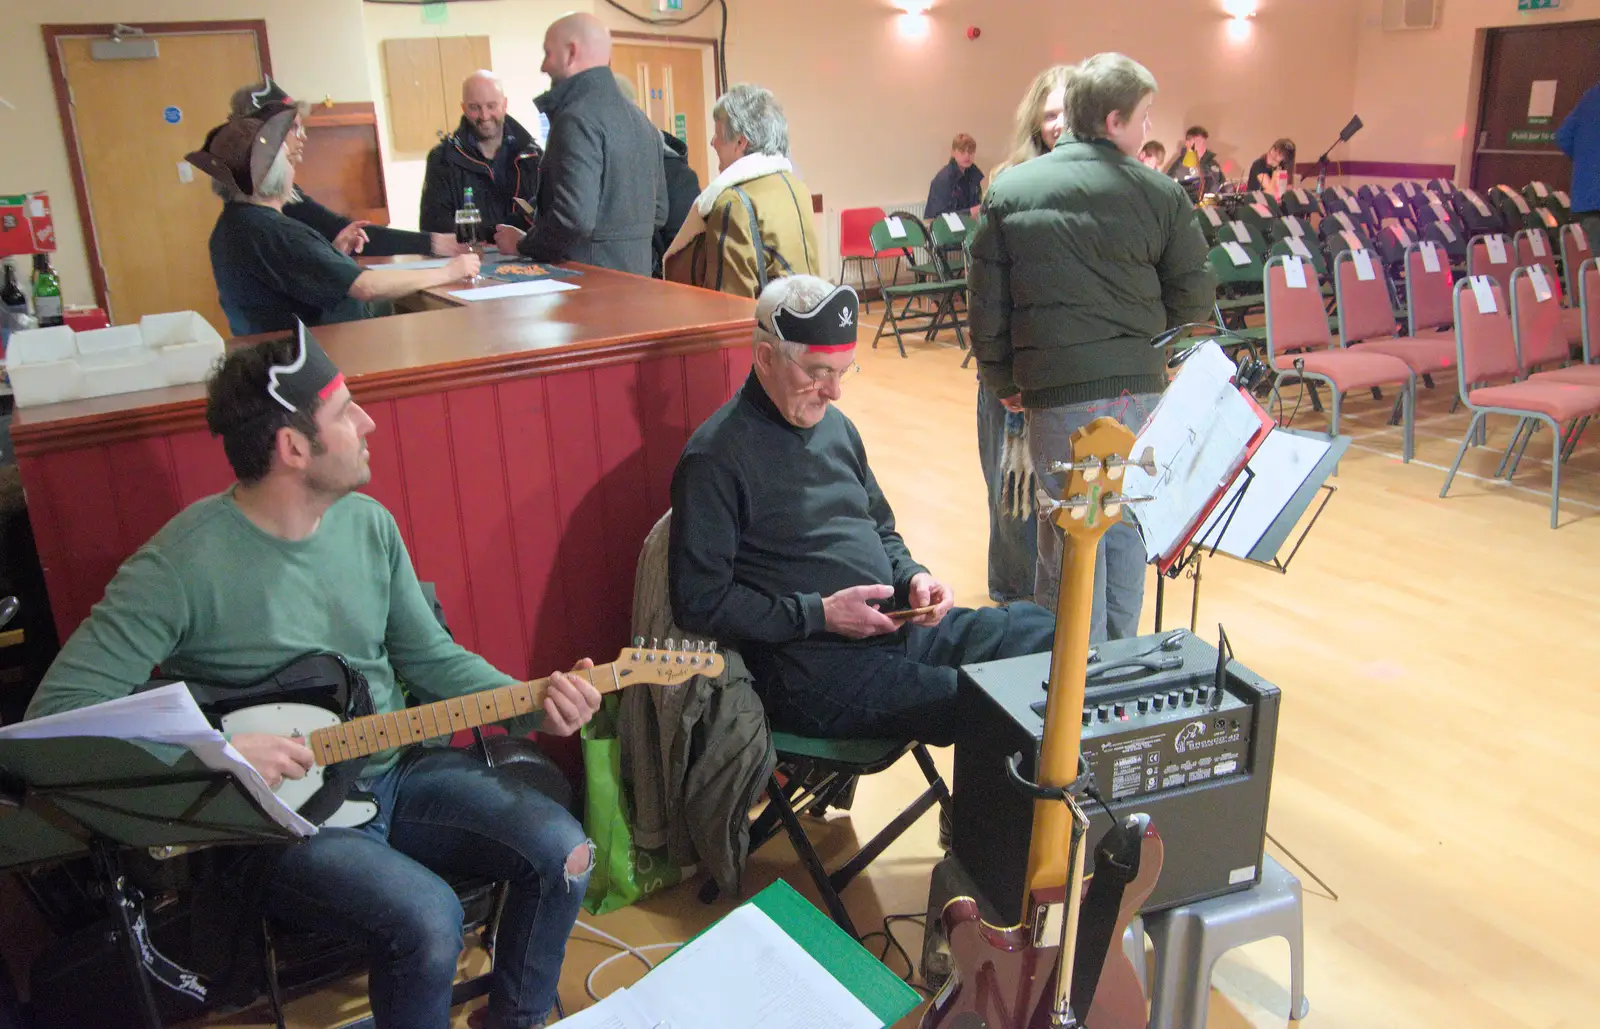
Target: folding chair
<point>1300,203</point>
<point>1383,206</point>
<point>1477,214</point>
<point>941,288</point>
<point>1366,320</point>
<point>1486,352</point>
<point>818,773</point>
<point>1267,200</point>
<point>1300,346</point>
<point>1289,227</point>
<point>1393,241</point>
<point>1240,232</point>
<point>855,246</point>
<point>1258,216</point>
<point>1211,220</point>
<point>1493,255</point>
<point>1238,286</point>
<point>1429,285</point>
<point>1337,200</point>
<point>1559,205</point>
<point>1514,208</point>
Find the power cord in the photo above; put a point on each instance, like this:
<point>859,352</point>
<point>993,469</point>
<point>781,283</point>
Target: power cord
<point>891,942</point>
<point>624,949</point>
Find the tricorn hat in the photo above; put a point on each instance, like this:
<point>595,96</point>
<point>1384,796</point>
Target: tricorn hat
<point>830,326</point>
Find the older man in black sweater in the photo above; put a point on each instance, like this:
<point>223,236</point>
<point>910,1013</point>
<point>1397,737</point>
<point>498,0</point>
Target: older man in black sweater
<point>784,547</point>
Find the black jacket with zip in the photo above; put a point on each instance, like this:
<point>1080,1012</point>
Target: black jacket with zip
<point>457,163</point>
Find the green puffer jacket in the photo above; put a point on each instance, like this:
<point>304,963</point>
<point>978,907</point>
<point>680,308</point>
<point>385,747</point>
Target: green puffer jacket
<point>1078,258</point>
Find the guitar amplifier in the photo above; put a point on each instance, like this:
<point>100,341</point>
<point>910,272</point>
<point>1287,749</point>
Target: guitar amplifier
<point>1167,741</point>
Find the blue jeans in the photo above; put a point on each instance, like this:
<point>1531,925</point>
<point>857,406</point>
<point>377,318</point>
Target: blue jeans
<point>1120,559</point>
<point>1013,542</point>
<point>441,810</point>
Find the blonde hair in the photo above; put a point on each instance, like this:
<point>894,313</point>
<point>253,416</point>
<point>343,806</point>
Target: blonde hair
<point>1028,138</point>
<point>1104,85</point>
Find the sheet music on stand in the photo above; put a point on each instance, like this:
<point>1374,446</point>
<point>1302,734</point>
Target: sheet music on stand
<point>1203,432</point>
<point>1275,474</point>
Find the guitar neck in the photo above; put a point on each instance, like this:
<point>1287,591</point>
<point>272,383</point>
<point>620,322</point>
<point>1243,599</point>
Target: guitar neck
<point>365,736</point>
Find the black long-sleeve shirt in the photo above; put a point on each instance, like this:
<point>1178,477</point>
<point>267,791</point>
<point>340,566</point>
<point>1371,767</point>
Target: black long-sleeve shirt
<point>382,241</point>
<point>768,518</point>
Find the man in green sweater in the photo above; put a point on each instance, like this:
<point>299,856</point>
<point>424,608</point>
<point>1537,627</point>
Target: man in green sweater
<point>291,561</point>
<point>1079,258</point>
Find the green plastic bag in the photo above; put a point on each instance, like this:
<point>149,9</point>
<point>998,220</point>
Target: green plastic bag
<point>622,872</point>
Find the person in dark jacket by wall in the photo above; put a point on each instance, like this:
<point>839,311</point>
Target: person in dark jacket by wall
<point>683,182</point>
<point>1579,139</point>
<point>348,235</point>
<point>490,153</point>
<point>602,191</point>
<point>959,185</point>
<point>1080,257</point>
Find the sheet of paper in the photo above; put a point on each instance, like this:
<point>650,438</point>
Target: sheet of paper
<point>1295,228</point>
<point>1446,231</point>
<point>409,266</point>
<point>1241,232</point>
<point>1236,253</point>
<point>1408,189</point>
<point>747,973</point>
<point>1281,467</point>
<point>1344,221</point>
<point>1518,201</point>
<point>1294,273</point>
<point>1365,272</point>
<point>1541,285</point>
<point>1199,432</point>
<point>1483,290</point>
<point>1401,235</point>
<point>953,221</point>
<point>1297,246</point>
<point>165,715</point>
<point>1579,236</point>
<point>1213,216</point>
<point>617,1010</point>
<point>536,287</point>
<point>1261,210</point>
<point>1430,257</point>
<point>1352,205</point>
<point>896,227</point>
<point>1561,195</point>
<point>1477,201</point>
<point>1542,98</point>
<point>1300,195</point>
<point>1496,245</point>
<point>1536,244</point>
<point>1540,189</point>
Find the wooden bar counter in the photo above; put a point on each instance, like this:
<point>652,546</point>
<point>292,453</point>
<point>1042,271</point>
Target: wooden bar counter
<point>525,446</point>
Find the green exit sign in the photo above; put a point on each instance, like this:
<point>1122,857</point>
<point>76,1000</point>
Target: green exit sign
<point>1538,5</point>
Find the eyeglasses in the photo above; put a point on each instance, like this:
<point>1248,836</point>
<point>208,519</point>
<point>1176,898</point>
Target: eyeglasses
<point>822,376</point>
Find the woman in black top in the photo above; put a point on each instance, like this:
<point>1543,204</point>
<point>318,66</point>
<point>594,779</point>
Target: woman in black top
<point>1279,157</point>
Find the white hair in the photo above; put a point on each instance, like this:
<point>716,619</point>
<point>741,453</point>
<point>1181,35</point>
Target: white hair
<point>278,182</point>
<point>800,293</point>
<point>754,113</point>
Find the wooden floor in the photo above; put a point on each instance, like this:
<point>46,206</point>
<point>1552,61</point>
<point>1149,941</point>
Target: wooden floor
<point>1437,735</point>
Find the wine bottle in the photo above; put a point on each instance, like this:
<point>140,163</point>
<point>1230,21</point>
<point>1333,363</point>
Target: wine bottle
<point>46,293</point>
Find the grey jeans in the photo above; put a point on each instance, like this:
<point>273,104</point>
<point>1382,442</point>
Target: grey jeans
<point>1120,559</point>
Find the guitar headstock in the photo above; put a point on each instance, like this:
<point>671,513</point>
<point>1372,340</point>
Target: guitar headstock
<point>1091,500</point>
<point>669,665</point>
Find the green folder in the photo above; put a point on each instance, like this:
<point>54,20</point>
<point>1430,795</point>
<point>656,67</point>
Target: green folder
<point>885,994</point>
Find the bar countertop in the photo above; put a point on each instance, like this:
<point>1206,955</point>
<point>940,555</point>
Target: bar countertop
<point>611,318</point>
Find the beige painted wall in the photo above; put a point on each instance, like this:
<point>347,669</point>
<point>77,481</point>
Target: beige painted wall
<point>316,50</point>
<point>872,108</point>
<point>1417,91</point>
<point>516,45</point>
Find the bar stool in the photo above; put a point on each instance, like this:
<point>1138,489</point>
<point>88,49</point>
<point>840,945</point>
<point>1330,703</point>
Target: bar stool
<point>1190,938</point>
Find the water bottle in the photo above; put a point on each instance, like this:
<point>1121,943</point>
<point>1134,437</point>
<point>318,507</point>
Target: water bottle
<point>469,223</point>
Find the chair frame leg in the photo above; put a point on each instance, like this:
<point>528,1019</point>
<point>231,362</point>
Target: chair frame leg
<point>1466,441</point>
<point>809,857</point>
<point>269,961</point>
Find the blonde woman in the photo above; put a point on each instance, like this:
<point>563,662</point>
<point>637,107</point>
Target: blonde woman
<point>1013,534</point>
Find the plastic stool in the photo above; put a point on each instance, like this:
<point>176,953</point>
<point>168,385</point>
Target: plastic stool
<point>1189,939</point>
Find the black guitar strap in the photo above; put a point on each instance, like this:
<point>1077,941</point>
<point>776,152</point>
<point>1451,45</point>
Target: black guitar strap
<point>1116,864</point>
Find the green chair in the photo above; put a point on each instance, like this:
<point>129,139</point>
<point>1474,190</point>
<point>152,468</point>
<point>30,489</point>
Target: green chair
<point>942,287</point>
<point>1258,216</point>
<point>1211,220</point>
<point>819,774</point>
<point>948,239</point>
<point>1240,232</point>
<point>1238,287</point>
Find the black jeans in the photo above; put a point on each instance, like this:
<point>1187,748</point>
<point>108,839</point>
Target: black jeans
<point>898,687</point>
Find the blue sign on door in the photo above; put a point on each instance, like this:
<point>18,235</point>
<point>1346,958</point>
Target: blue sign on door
<point>171,115</point>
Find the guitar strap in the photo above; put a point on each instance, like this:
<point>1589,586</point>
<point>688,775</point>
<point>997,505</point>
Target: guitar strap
<point>1116,864</point>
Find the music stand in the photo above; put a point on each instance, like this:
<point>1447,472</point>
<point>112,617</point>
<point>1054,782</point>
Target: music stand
<point>1281,523</point>
<point>70,796</point>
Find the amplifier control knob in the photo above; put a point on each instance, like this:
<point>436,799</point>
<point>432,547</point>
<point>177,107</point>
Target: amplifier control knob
<point>1189,695</point>
<point>1104,712</point>
<point>1159,702</point>
<point>1088,716</point>
<point>1144,705</point>
<point>1173,698</point>
<point>1121,710</point>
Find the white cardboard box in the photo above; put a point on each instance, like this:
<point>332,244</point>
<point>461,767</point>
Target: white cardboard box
<point>47,366</point>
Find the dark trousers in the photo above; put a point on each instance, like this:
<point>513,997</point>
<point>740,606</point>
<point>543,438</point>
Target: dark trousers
<point>902,687</point>
<point>441,811</point>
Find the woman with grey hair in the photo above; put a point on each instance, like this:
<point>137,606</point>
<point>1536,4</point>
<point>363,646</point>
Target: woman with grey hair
<point>271,270</point>
<point>753,223</point>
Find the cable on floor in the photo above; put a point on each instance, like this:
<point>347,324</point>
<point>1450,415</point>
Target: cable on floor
<point>623,948</point>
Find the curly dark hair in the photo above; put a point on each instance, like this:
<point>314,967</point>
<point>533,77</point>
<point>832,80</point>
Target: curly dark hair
<point>239,409</point>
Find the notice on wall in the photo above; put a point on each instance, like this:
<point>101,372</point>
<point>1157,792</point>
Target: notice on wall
<point>1541,101</point>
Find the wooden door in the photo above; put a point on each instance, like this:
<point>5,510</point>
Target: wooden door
<point>671,84</point>
<point>423,78</point>
<point>152,214</point>
<point>1532,78</point>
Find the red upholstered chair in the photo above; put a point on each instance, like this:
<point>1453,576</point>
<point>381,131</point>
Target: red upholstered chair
<point>1541,338</point>
<point>1576,248</point>
<point>1300,346</point>
<point>1428,291</point>
<point>1533,248</point>
<point>855,245</point>
<point>1588,279</point>
<point>1494,259</point>
<point>1366,319</point>
<point>1486,352</point>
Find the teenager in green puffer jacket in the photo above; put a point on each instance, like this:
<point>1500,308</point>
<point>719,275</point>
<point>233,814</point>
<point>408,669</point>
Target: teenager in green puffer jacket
<point>1080,257</point>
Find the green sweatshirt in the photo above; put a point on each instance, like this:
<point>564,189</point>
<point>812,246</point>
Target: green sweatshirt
<point>214,598</point>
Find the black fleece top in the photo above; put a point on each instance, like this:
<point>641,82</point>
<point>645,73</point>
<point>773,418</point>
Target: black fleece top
<point>767,519</point>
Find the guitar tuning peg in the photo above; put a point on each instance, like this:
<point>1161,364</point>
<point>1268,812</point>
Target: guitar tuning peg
<point>638,641</point>
<point>713,646</point>
<point>670,644</point>
<point>654,646</point>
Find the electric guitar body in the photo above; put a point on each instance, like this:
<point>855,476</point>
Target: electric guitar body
<point>1035,975</point>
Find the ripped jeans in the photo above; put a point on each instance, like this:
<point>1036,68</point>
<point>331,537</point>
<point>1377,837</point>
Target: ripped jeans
<point>442,810</point>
